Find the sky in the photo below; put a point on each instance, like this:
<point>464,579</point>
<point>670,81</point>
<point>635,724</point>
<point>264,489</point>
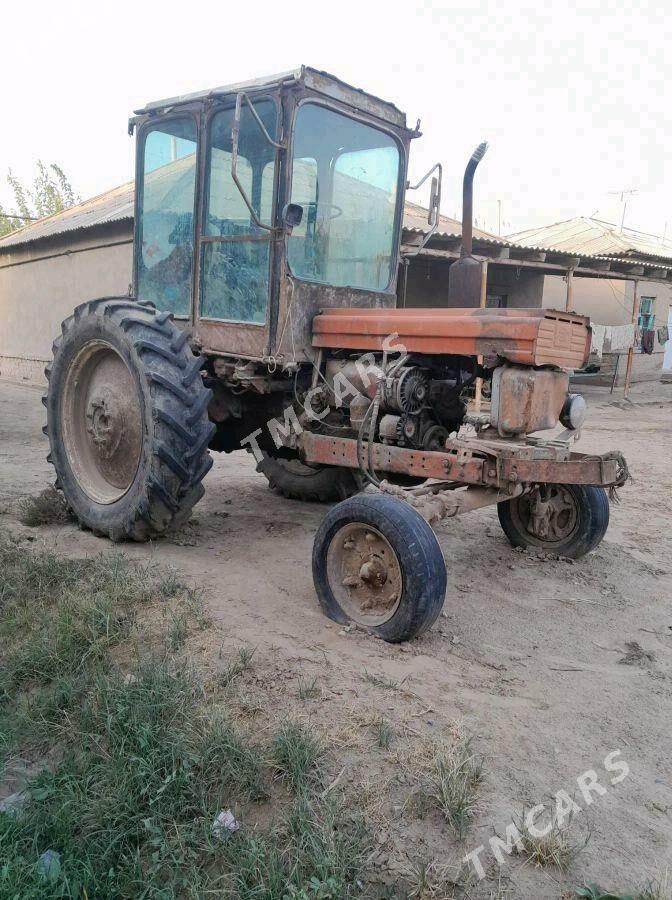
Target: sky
<point>572,98</point>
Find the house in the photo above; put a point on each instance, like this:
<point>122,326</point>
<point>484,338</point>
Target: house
<point>609,301</point>
<point>50,266</point>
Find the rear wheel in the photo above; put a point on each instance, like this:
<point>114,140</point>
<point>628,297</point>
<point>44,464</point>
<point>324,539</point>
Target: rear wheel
<point>377,563</point>
<point>127,419</point>
<point>567,519</point>
<point>300,481</point>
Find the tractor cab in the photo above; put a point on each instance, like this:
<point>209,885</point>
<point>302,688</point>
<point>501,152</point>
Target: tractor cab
<point>260,203</point>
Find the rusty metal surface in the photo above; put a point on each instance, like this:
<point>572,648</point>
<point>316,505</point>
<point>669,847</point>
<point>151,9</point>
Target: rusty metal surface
<point>579,469</point>
<point>467,463</point>
<point>343,452</point>
<point>527,336</point>
<point>313,79</point>
<point>233,338</point>
<point>446,503</point>
<point>526,400</point>
<point>301,301</point>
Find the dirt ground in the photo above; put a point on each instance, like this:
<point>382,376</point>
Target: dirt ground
<point>529,656</point>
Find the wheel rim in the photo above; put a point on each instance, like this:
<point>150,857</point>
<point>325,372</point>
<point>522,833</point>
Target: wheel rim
<point>364,574</point>
<point>548,515</point>
<point>101,415</point>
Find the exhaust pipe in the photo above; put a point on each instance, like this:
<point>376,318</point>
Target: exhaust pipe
<point>464,276</point>
<point>468,199</point>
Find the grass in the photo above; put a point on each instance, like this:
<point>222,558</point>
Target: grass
<point>241,662</point>
<point>296,754</point>
<point>139,768</point>
<point>455,775</point>
<point>384,733</point>
<point>47,508</point>
<point>383,681</point>
<point>558,848</point>
<point>654,889</point>
<point>308,690</point>
<point>178,629</point>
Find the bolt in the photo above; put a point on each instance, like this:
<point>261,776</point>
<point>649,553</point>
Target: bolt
<point>492,473</point>
<point>348,545</point>
<point>370,537</point>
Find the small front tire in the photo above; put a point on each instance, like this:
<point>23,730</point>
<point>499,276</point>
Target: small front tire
<point>377,563</point>
<point>575,520</point>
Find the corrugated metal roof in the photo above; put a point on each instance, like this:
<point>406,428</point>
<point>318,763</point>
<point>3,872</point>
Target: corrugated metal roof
<point>586,236</point>
<point>117,204</point>
<point>112,206</point>
<point>415,222</point>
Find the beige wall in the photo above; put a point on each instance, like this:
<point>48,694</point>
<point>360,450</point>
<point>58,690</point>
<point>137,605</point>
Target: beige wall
<point>607,301</point>
<point>41,284</point>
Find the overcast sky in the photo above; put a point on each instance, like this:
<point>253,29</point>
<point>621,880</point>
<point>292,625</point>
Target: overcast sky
<point>573,98</point>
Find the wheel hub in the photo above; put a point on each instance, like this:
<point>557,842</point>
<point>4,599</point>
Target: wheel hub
<point>105,423</point>
<point>101,414</point>
<point>364,574</point>
<point>553,515</point>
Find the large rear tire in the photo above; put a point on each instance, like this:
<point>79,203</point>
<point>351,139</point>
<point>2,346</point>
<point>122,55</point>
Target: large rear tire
<point>127,419</point>
<point>297,480</point>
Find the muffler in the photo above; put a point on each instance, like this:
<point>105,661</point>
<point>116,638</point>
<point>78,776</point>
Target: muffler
<point>464,276</point>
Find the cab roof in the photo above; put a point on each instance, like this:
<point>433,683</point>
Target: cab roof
<point>313,79</point>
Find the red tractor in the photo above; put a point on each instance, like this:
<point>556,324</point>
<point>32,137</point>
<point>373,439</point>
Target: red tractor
<point>265,316</point>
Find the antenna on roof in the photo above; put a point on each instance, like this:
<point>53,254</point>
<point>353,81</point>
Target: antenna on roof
<point>624,193</point>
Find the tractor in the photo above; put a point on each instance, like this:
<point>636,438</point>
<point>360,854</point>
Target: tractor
<point>265,314</point>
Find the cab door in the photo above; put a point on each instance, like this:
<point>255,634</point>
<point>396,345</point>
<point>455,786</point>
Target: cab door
<point>235,251</point>
<point>165,201</point>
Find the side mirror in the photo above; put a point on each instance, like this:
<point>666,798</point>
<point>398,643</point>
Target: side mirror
<point>434,202</point>
<point>292,215</point>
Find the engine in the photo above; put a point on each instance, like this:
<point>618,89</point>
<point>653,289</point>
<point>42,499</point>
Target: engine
<point>421,401</point>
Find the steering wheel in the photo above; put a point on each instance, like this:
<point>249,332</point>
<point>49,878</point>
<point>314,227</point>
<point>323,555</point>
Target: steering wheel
<point>320,206</point>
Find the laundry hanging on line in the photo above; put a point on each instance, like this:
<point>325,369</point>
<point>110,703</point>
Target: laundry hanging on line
<point>622,337</point>
<point>597,339</point>
<point>648,340</point>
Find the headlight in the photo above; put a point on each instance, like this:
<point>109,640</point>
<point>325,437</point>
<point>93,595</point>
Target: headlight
<point>573,413</point>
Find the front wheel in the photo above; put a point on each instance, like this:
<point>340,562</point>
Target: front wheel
<point>377,563</point>
<point>564,519</point>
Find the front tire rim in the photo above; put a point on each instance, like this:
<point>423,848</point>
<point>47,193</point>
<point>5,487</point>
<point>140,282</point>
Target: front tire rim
<point>548,515</point>
<point>364,574</point>
<point>101,415</point>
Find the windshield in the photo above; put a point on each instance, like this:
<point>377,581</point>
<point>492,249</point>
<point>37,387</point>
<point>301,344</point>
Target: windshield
<point>345,175</point>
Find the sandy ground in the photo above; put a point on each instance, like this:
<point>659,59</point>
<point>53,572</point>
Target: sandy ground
<point>528,656</point>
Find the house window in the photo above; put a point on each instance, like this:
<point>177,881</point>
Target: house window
<point>646,317</point>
